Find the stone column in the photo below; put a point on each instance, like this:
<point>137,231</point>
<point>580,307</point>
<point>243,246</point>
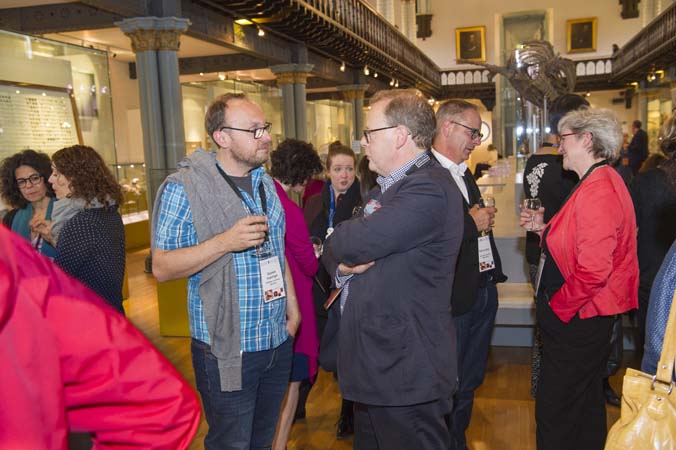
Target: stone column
<point>354,93</point>
<point>155,41</point>
<point>292,79</point>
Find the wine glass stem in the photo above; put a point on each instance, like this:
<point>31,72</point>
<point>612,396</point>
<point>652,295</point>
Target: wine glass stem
<point>532,224</point>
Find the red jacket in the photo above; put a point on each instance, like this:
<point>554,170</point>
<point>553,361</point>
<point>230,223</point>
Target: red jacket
<point>71,362</point>
<point>593,242</point>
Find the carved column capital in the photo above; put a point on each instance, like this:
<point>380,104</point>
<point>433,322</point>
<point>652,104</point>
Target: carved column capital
<point>154,33</point>
<point>353,91</point>
<point>292,73</point>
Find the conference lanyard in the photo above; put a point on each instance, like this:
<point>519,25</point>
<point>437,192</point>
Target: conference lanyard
<point>233,186</point>
<point>332,206</point>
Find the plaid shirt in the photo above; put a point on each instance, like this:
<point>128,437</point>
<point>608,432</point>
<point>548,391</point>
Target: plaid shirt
<point>384,183</point>
<point>262,325</point>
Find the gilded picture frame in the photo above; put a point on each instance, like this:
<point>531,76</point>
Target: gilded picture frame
<point>470,43</point>
<point>581,35</point>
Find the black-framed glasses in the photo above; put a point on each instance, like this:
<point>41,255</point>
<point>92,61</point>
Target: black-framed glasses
<point>257,132</point>
<point>561,136</point>
<point>34,180</point>
<point>474,132</point>
<point>367,133</point>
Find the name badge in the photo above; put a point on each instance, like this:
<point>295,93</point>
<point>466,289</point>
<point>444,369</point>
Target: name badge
<point>486,261</point>
<point>272,279</point>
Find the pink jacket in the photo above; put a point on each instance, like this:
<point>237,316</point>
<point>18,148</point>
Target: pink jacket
<point>593,242</point>
<point>303,264</point>
<point>71,362</point>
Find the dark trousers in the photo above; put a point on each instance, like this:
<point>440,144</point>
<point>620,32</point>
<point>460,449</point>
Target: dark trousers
<point>420,427</point>
<point>570,408</point>
<point>246,419</point>
<point>474,330</point>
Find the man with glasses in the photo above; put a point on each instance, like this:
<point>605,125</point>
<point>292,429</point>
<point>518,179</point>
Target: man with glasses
<point>218,221</point>
<point>395,260</point>
<point>474,299</point>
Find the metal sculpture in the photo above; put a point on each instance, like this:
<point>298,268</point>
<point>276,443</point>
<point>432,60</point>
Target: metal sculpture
<point>537,73</point>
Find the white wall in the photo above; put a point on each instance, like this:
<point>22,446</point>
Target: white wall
<point>449,15</point>
<point>128,142</point>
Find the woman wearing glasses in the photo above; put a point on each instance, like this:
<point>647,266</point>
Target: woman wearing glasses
<point>24,187</point>
<point>587,275</point>
<point>336,203</point>
<point>86,224</point>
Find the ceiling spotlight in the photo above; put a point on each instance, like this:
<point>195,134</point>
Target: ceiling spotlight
<point>201,74</point>
<point>396,84</point>
<point>221,76</point>
<point>366,70</point>
<point>243,21</point>
<point>261,32</point>
<point>375,75</point>
<point>392,82</point>
<point>342,66</point>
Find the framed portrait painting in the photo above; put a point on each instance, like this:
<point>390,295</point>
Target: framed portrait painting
<point>581,35</point>
<point>470,43</point>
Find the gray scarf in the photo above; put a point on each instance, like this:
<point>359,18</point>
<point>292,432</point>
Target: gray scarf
<point>66,208</point>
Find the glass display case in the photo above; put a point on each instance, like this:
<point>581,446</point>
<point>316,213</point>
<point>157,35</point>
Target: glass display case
<point>53,95</point>
<point>132,178</point>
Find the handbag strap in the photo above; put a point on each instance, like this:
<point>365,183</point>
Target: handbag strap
<point>665,367</point>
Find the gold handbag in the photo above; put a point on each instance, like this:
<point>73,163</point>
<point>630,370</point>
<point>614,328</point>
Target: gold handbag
<point>648,415</point>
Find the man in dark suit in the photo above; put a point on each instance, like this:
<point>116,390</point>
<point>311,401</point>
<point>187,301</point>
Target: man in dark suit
<point>474,298</point>
<point>396,351</point>
<point>638,147</point>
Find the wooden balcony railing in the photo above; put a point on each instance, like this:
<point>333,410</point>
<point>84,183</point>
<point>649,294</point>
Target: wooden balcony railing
<point>652,47</point>
<point>349,30</point>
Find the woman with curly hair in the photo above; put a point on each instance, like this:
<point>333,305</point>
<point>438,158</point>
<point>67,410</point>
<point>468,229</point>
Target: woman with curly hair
<point>23,178</point>
<point>294,163</point>
<point>86,224</point>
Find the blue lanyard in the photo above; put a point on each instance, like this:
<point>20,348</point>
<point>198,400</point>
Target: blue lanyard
<point>332,206</point>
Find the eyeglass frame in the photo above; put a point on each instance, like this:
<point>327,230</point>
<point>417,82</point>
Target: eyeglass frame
<point>257,132</point>
<point>475,132</point>
<point>563,136</point>
<point>22,183</point>
<point>368,132</point>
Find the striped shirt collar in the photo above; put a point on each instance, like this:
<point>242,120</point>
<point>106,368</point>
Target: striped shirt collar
<point>398,174</point>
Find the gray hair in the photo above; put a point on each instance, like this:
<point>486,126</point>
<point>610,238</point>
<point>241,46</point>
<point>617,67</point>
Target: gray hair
<point>408,107</point>
<point>602,124</point>
<point>454,108</point>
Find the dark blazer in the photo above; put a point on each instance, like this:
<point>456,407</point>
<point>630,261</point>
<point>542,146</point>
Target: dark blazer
<point>638,150</point>
<point>468,279</point>
<point>397,339</point>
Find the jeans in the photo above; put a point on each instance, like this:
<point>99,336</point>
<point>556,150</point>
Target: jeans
<point>474,330</point>
<point>246,419</point>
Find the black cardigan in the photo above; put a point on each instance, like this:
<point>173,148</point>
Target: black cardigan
<point>91,249</point>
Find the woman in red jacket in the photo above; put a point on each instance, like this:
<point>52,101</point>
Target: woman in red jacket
<point>588,274</point>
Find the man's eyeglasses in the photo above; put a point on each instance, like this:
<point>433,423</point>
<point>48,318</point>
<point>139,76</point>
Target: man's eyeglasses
<point>34,180</point>
<point>257,132</point>
<point>367,133</point>
<point>474,132</point>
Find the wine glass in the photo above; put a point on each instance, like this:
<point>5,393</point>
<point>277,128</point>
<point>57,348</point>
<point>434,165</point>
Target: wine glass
<point>533,204</point>
<point>262,250</point>
<point>317,245</point>
<point>489,201</point>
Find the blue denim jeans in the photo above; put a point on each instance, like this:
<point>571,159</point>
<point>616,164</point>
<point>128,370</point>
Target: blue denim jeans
<point>246,419</point>
<point>474,330</point>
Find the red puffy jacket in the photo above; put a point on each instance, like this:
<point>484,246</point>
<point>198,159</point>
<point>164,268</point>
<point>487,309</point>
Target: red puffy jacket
<point>71,362</point>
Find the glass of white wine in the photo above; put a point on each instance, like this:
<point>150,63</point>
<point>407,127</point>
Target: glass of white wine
<point>533,204</point>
